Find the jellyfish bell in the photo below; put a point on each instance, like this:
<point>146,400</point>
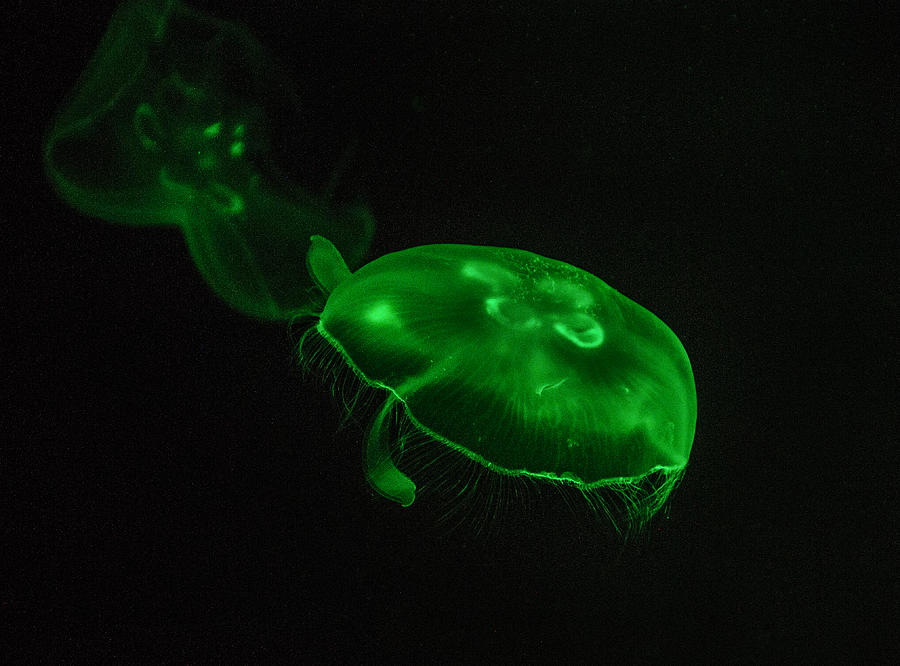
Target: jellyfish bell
<point>183,119</point>
<point>525,365</point>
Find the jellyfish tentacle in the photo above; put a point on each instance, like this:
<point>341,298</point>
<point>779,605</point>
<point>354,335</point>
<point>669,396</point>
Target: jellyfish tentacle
<point>325,264</point>
<point>381,472</point>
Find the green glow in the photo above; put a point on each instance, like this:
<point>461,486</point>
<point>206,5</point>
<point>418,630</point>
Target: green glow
<point>526,365</point>
<point>171,123</point>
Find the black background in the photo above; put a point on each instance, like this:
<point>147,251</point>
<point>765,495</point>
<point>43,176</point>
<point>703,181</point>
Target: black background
<point>175,489</point>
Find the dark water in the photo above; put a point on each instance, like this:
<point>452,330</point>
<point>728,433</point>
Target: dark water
<point>177,490</point>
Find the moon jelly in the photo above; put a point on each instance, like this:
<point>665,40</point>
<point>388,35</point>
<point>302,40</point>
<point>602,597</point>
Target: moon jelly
<point>525,365</point>
<point>173,122</point>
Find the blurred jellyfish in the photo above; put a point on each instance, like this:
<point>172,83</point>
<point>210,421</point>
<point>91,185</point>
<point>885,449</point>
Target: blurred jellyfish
<point>176,121</point>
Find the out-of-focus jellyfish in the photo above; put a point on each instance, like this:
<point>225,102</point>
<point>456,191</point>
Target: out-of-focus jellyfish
<point>526,365</point>
<point>171,123</point>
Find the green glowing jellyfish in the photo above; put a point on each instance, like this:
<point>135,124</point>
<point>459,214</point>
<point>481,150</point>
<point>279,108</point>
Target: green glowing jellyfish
<point>526,365</point>
<point>171,124</point>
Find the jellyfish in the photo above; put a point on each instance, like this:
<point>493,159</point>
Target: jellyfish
<point>171,123</point>
<point>525,365</point>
